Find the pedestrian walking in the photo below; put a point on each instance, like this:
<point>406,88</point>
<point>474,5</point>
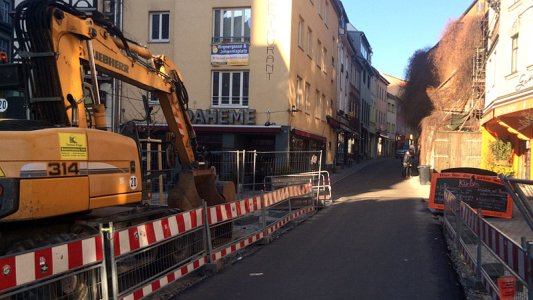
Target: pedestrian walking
<point>407,162</point>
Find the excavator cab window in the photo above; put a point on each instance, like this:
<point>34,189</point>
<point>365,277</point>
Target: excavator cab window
<point>88,101</point>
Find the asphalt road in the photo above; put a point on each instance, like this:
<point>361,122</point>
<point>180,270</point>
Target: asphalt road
<point>378,242</point>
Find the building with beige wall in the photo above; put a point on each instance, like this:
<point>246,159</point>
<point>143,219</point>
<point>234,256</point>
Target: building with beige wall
<point>395,117</point>
<point>348,97</point>
<point>260,73</point>
<point>383,137</point>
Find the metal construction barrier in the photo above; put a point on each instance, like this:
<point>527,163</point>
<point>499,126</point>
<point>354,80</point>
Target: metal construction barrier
<point>491,256</point>
<point>320,182</point>
<point>134,262</point>
<point>522,193</point>
<point>254,219</point>
<point>72,270</point>
<point>148,256</point>
<point>248,169</point>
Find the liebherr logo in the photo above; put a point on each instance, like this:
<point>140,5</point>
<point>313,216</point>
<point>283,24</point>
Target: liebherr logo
<point>111,62</point>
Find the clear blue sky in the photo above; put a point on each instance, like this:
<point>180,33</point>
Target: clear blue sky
<point>396,29</point>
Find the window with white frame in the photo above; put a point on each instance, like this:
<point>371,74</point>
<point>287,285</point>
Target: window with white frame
<point>364,52</point>
<point>318,53</point>
<point>323,58</point>
<point>298,92</point>
<point>317,104</point>
<point>300,33</point>
<point>326,12</point>
<point>4,11</point>
<point>323,109</point>
<point>230,88</point>
<point>514,53</point>
<point>309,42</point>
<point>159,26</point>
<point>307,100</point>
<point>232,25</point>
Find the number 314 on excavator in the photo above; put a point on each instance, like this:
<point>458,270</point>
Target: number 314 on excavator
<point>60,166</point>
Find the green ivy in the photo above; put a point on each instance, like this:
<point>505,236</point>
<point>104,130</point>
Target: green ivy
<point>501,150</point>
<point>506,170</point>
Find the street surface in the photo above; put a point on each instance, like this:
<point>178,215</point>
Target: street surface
<point>377,242</point>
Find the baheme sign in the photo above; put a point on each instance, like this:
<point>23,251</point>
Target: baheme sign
<point>234,54</point>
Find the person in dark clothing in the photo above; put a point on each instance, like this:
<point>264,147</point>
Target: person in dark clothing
<point>407,162</point>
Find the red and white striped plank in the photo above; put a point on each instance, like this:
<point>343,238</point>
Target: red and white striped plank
<point>511,253</point>
<point>282,222</point>
<point>470,217</point>
<point>25,268</point>
<point>233,210</point>
<point>167,279</point>
<point>144,235</point>
<point>286,193</point>
<point>272,198</point>
<point>324,197</point>
<point>236,246</point>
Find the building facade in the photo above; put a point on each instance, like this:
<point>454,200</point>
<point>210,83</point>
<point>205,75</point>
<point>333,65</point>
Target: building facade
<point>395,118</point>
<point>261,75</point>
<point>508,114</point>
<point>364,56</point>
<point>348,97</point>
<point>383,138</point>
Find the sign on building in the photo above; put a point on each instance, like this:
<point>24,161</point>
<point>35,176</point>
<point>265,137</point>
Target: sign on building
<point>235,54</point>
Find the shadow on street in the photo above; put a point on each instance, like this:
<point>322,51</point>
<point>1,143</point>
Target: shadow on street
<point>385,245</point>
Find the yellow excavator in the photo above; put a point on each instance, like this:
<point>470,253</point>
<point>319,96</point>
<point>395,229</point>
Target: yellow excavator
<point>60,167</point>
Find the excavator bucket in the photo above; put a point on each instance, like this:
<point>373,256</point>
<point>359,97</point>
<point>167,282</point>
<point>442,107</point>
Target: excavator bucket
<point>193,186</point>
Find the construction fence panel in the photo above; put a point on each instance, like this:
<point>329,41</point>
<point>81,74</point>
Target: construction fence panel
<point>70,270</point>
<point>489,253</point>
<point>233,226</point>
<point>287,204</point>
<point>251,220</point>
<point>248,169</point>
<point>148,256</point>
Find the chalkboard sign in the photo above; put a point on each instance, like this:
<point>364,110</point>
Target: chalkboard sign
<point>478,191</point>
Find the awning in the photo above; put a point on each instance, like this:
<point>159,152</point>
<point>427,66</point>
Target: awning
<point>332,122</point>
<point>309,135</point>
<point>513,119</point>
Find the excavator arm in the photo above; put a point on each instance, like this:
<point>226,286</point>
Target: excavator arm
<point>76,40</point>
<point>59,48</point>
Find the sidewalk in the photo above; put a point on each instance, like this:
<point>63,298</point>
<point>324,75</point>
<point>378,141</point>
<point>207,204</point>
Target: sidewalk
<point>422,191</point>
<point>341,174</point>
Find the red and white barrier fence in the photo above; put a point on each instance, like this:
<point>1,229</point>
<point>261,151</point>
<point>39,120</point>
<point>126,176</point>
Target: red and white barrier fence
<point>166,280</point>
<point>120,249</point>
<point>492,243</point>
<point>23,270</point>
<point>144,235</point>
